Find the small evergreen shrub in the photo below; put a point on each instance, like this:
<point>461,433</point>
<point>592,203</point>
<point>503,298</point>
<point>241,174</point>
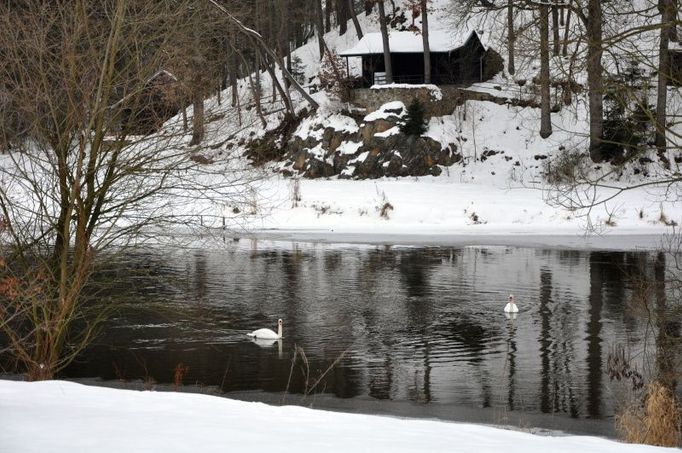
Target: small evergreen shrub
<point>298,69</point>
<point>627,115</point>
<point>414,124</point>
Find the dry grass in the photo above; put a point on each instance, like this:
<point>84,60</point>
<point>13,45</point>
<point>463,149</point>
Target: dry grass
<point>664,219</point>
<point>569,167</point>
<point>309,384</point>
<point>656,422</point>
<point>611,221</point>
<point>179,374</point>
<point>385,210</point>
<point>295,192</point>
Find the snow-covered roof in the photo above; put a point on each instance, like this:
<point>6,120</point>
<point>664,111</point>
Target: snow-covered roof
<point>409,42</point>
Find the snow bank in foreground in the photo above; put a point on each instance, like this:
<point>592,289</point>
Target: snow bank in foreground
<point>62,416</point>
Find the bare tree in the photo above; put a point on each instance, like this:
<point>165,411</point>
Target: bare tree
<point>556,31</point>
<point>327,16</point>
<point>511,38</point>
<point>354,16</point>
<point>595,77</point>
<point>667,11</point>
<point>342,13</point>
<point>80,183</point>
<point>258,41</point>
<point>384,37</point>
<point>319,22</point>
<point>545,107</point>
<point>425,41</point>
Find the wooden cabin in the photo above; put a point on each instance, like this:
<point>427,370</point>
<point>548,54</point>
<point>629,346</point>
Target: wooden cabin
<point>455,60</point>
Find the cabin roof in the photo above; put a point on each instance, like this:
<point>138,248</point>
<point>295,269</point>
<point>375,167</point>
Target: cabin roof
<point>440,41</point>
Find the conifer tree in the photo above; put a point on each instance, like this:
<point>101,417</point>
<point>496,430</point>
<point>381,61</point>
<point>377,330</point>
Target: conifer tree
<point>415,123</point>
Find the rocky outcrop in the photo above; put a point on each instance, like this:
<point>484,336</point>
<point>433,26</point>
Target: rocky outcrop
<point>372,149</point>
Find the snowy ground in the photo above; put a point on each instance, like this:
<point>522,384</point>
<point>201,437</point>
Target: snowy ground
<point>439,210</point>
<point>57,416</point>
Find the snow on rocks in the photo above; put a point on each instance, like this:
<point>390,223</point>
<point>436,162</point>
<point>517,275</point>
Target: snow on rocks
<point>386,111</point>
<point>349,148</point>
<point>327,145</point>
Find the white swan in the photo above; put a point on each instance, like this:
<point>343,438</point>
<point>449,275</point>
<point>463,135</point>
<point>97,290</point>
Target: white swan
<point>267,334</point>
<point>511,306</point>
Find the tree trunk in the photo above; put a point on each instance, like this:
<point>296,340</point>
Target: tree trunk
<point>665,8</point>
<point>425,40</point>
<point>545,113</point>
<point>197,119</point>
<point>277,87</point>
<point>342,16</point>
<point>555,31</point>
<point>328,16</point>
<point>234,67</point>
<point>320,28</point>
<point>256,99</point>
<point>369,6</point>
<point>511,38</point>
<point>384,38</point>
<point>595,81</point>
<point>354,16</point>
<point>562,17</point>
<point>674,11</point>
<point>285,43</point>
<point>256,72</point>
<point>567,29</point>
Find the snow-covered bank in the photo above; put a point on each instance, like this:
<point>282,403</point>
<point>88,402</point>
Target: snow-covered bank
<point>60,416</point>
<point>444,211</point>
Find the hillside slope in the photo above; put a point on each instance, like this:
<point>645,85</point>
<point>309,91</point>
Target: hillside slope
<point>500,183</point>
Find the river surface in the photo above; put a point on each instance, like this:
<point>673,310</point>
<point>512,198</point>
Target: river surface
<point>381,327</point>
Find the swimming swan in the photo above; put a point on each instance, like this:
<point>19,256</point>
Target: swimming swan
<point>511,306</point>
<point>267,334</point>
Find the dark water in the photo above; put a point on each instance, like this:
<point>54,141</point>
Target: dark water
<point>419,325</point>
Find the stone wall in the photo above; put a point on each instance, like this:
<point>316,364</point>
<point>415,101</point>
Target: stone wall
<point>437,100</point>
<point>433,98</point>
